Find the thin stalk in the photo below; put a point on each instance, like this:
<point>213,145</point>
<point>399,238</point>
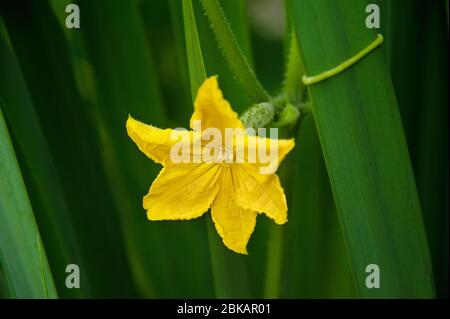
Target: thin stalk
<point>197,72</point>
<point>233,53</point>
<point>308,80</point>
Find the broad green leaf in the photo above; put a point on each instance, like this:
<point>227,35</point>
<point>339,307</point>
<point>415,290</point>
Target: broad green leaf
<point>64,117</point>
<point>46,196</point>
<point>315,261</point>
<point>365,150</point>
<point>22,256</point>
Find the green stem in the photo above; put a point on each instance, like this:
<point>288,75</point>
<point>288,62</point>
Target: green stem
<point>287,117</point>
<point>233,53</point>
<point>293,85</point>
<point>308,80</point>
<point>196,66</point>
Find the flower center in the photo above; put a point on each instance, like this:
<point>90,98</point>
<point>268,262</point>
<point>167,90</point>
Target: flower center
<point>225,155</point>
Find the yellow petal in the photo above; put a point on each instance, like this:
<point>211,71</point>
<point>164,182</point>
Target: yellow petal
<point>212,109</point>
<point>262,166</point>
<point>233,223</point>
<point>154,142</point>
<point>266,197</point>
<point>183,191</point>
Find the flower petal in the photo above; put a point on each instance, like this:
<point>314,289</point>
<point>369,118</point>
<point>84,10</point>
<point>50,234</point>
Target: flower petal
<point>212,109</point>
<point>183,191</point>
<point>154,142</point>
<point>267,197</point>
<point>262,166</point>
<point>233,223</point>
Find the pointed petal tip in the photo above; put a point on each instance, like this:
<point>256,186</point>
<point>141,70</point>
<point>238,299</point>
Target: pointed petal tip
<point>292,141</point>
<point>281,221</point>
<point>130,121</point>
<point>149,217</point>
<point>237,249</point>
<point>291,144</point>
<point>213,78</point>
<point>211,81</point>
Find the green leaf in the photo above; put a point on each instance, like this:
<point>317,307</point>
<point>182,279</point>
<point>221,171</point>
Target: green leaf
<point>48,201</point>
<point>124,84</point>
<point>22,256</point>
<point>315,261</point>
<point>365,150</point>
<point>197,72</point>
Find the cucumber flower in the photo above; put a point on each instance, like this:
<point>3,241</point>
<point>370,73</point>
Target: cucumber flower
<point>229,175</point>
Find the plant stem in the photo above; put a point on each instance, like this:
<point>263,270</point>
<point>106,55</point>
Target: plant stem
<point>308,80</point>
<point>197,72</point>
<point>293,85</point>
<point>233,53</point>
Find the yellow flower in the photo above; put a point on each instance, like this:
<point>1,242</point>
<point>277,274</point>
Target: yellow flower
<point>234,190</point>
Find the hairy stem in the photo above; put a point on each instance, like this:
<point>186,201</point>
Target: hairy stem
<point>293,85</point>
<point>233,53</point>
